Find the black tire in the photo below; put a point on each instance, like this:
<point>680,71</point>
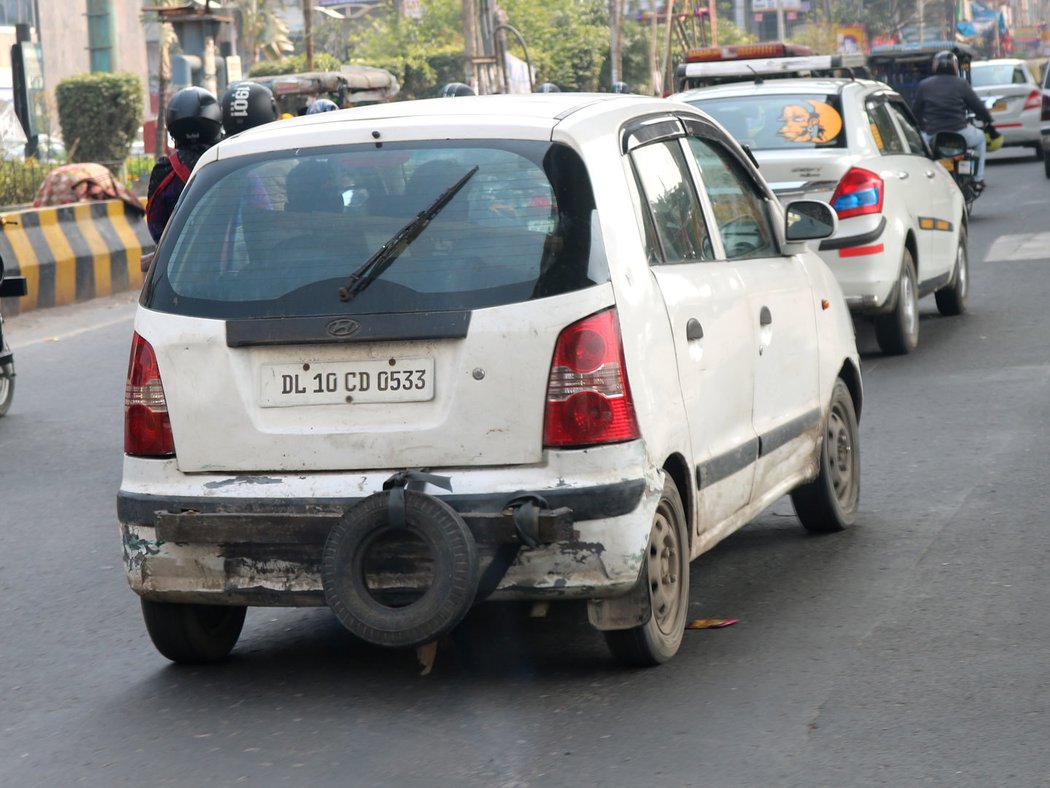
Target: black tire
<point>430,525</point>
<point>193,634</point>
<point>7,387</point>
<point>829,502</point>
<point>1040,155</point>
<point>951,299</point>
<point>898,331</point>
<point>1046,166</point>
<point>667,569</point>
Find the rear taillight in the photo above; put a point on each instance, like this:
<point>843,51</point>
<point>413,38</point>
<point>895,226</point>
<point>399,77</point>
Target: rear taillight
<point>588,398</point>
<point>147,430</point>
<point>1034,100</point>
<point>859,192</point>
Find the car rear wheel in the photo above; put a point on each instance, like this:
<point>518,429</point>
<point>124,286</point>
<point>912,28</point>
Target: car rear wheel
<point>666,569</point>
<point>193,634</point>
<point>7,386</point>
<point>1040,154</point>
<point>951,300</point>
<point>829,502</point>
<point>898,332</point>
<point>1046,165</point>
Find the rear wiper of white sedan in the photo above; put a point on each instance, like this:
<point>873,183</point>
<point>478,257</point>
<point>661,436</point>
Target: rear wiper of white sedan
<point>375,265</point>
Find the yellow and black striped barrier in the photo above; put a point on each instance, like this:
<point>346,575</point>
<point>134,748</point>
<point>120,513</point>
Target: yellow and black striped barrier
<point>72,253</point>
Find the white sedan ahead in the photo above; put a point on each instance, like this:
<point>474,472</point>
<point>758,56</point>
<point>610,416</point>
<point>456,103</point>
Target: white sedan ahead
<point>855,144</point>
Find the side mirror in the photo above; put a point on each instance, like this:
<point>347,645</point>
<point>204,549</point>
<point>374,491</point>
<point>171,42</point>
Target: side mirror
<point>948,144</point>
<point>808,220</point>
<point>146,260</point>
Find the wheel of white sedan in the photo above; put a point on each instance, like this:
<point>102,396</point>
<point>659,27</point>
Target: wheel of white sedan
<point>7,386</point>
<point>667,571</point>
<point>829,503</point>
<point>898,332</point>
<point>951,300</point>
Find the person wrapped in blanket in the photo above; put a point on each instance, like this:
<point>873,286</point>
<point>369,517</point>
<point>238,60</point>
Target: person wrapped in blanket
<point>84,182</point>
<point>194,120</point>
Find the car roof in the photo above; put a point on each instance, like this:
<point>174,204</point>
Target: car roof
<point>999,61</point>
<point>512,116</point>
<point>778,86</point>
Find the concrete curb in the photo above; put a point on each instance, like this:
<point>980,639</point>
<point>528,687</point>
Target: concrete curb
<point>72,253</point>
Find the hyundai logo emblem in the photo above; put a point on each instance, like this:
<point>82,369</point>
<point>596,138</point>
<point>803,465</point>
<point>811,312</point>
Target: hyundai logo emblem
<point>344,327</point>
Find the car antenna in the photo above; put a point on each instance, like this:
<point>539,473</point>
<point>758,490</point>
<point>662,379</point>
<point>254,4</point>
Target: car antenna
<point>758,77</point>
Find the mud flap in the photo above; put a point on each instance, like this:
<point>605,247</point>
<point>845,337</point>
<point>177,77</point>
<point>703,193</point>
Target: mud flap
<point>633,609</point>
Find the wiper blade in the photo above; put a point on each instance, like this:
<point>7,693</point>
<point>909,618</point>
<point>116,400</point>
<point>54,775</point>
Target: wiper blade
<point>375,265</point>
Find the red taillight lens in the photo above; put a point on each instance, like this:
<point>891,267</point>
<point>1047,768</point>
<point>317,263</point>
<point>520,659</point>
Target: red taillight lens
<point>588,399</point>
<point>147,430</point>
<point>859,192</point>
<point>1034,100</point>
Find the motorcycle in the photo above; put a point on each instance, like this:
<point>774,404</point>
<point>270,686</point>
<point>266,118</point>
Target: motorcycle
<point>961,161</point>
<point>10,287</point>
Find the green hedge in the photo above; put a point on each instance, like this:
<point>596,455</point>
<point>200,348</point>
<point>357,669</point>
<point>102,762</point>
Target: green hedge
<point>99,114</point>
<point>19,181</point>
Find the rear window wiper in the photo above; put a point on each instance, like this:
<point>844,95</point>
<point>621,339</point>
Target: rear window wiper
<point>375,265</point>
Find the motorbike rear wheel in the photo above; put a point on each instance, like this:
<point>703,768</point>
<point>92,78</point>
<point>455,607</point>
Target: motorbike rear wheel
<point>7,386</point>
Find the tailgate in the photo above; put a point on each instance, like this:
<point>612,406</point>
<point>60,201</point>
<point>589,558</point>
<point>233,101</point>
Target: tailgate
<point>1009,100</point>
<point>810,174</point>
<point>467,388</point>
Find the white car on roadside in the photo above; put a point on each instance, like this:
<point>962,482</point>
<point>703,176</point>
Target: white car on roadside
<point>552,349</point>
<point>854,143</point>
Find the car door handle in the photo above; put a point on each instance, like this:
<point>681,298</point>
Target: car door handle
<point>765,317</point>
<point>902,175</point>
<point>693,329</point>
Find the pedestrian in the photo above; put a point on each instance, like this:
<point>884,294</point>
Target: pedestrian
<point>194,121</point>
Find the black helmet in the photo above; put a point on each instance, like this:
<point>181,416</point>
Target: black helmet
<point>246,105</point>
<point>193,117</point>
<point>620,87</point>
<point>453,89</point>
<point>548,87</point>
<point>945,62</point>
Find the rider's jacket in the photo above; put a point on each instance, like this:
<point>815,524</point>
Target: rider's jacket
<point>941,103</point>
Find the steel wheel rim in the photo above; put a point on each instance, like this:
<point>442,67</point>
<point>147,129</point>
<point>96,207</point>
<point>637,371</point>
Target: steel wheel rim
<point>664,564</point>
<point>6,371</point>
<point>962,272</point>
<point>909,305</point>
<point>841,455</point>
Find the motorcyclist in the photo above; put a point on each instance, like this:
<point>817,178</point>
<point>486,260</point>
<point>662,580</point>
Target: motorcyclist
<point>322,105</point>
<point>941,103</point>
<point>194,120</point>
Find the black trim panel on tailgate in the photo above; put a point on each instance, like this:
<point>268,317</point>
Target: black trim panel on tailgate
<point>347,328</point>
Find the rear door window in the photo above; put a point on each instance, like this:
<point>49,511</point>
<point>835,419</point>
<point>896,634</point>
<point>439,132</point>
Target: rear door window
<point>278,234</point>
<point>674,206</point>
<point>883,131</point>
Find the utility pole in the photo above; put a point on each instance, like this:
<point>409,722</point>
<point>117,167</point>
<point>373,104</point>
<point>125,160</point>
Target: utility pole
<point>781,32</point>
<point>308,32</point>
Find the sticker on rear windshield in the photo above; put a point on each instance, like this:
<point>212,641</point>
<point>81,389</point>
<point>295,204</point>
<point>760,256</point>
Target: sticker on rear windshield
<point>810,121</point>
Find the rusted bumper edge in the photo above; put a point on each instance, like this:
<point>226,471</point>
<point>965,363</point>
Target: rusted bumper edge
<point>268,552</point>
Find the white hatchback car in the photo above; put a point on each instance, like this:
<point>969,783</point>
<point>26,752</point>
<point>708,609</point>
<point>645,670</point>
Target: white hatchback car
<point>1014,98</point>
<point>854,143</point>
<point>399,359</point>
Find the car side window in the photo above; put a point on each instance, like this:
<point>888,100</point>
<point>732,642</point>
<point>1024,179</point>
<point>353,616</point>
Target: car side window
<point>912,135</point>
<point>739,204</point>
<point>1020,76</point>
<point>887,140</point>
<point>673,203</point>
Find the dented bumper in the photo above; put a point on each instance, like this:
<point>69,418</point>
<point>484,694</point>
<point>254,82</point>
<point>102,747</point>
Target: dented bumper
<point>243,548</point>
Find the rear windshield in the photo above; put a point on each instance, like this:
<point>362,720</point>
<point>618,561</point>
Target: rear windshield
<point>983,76</point>
<point>780,122</point>
<point>279,234</point>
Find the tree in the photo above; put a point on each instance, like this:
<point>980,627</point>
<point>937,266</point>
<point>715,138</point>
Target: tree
<point>262,33</point>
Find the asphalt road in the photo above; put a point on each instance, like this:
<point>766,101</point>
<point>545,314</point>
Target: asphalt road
<point>910,650</point>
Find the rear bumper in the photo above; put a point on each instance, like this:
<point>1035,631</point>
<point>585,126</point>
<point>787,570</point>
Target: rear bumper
<point>866,262</point>
<point>266,550</point>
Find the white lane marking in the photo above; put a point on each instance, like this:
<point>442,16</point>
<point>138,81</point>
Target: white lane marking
<point>15,345</point>
<point>1022,246</point>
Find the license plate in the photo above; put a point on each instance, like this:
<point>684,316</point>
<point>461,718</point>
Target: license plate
<point>999,106</point>
<point>965,167</point>
<point>347,382</point>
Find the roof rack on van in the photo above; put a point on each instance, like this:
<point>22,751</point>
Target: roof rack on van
<point>744,62</point>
